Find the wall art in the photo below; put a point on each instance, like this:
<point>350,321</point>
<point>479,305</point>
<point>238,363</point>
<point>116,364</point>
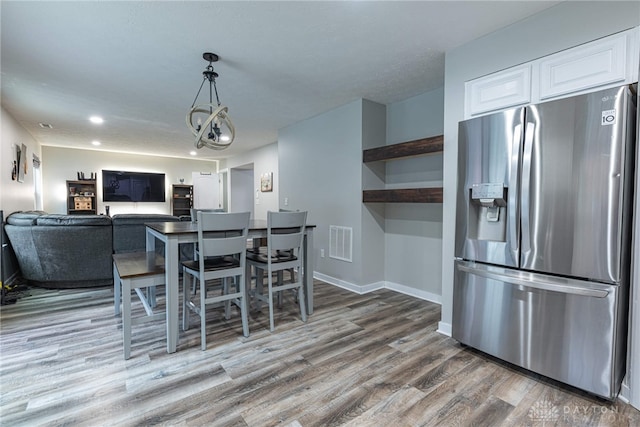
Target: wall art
<point>266,182</point>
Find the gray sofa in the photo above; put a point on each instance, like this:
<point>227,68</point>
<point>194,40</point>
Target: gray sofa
<point>130,233</point>
<point>73,251</point>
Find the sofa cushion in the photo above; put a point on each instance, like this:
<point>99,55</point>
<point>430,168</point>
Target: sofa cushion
<point>24,218</point>
<point>59,219</point>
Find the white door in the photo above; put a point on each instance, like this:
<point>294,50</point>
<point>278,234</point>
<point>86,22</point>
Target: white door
<point>206,190</point>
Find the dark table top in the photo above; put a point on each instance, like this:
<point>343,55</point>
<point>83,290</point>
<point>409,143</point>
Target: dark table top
<point>183,227</point>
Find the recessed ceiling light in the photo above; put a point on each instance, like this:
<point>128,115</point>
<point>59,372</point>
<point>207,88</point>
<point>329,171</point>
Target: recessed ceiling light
<point>193,153</point>
<point>97,120</point>
<point>95,142</point>
<point>45,125</point>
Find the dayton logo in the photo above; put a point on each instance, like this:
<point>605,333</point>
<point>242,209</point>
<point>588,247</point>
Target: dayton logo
<point>544,411</point>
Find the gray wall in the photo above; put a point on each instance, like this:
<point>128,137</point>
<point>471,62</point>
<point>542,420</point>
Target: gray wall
<point>394,245</point>
<point>413,232</point>
<point>242,192</point>
<point>320,162</point>
<point>14,195</point>
<point>372,232</point>
<point>563,26</point>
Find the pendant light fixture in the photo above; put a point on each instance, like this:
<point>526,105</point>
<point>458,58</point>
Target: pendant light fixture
<point>217,131</point>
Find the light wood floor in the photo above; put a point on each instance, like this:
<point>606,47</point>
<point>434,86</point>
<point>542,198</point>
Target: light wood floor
<point>361,360</point>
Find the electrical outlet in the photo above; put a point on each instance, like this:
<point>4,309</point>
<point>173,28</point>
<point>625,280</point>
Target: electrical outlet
<point>286,201</point>
<point>321,253</point>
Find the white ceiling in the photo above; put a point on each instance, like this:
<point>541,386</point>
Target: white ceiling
<point>138,64</point>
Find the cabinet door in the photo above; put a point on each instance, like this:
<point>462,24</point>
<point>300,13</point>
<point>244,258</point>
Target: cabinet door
<point>591,65</point>
<point>497,91</point>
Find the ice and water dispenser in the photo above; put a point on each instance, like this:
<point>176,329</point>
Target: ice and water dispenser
<point>487,212</point>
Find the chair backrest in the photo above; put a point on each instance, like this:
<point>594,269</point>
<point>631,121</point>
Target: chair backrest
<point>194,212</point>
<point>285,230</point>
<point>221,234</point>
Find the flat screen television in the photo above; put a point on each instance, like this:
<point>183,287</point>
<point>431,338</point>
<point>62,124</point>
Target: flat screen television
<point>121,186</point>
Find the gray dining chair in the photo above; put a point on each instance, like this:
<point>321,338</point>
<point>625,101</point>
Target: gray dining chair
<point>285,234</point>
<point>194,218</point>
<point>259,245</point>
<point>222,239</point>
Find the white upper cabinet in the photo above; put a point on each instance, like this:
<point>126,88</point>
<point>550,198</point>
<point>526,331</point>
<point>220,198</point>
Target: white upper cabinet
<point>505,88</point>
<point>609,61</point>
<point>591,65</point>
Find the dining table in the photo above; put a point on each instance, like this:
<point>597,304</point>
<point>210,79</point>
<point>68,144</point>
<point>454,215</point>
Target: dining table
<point>173,234</point>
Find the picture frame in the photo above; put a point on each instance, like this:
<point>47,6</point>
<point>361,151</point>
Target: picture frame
<point>266,182</point>
<point>25,160</point>
<point>21,161</point>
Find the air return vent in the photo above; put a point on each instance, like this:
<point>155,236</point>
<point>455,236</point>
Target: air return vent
<point>340,242</point>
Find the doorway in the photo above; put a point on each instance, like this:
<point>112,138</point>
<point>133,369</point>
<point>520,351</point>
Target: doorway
<point>241,189</point>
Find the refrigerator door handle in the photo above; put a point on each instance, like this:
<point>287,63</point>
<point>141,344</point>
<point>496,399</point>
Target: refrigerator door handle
<point>514,214</point>
<point>545,283</point>
<point>527,155</point>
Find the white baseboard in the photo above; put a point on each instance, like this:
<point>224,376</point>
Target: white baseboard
<point>347,285</point>
<point>444,328</point>
<point>407,290</point>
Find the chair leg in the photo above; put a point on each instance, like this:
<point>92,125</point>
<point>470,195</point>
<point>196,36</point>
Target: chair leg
<point>292,277</point>
<point>271,323</point>
<point>280,281</point>
<point>186,296</point>
<point>193,286</point>
<point>259,286</point>
<point>247,286</point>
<point>227,303</point>
<point>301,300</point>
<point>244,307</point>
<point>126,317</point>
<point>247,283</point>
<point>203,314</point>
<point>116,291</point>
<point>151,296</point>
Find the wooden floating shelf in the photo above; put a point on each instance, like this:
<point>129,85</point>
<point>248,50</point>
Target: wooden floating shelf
<point>418,147</point>
<point>404,195</point>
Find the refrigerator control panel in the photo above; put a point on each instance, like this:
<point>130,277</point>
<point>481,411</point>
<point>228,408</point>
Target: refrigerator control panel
<point>487,191</point>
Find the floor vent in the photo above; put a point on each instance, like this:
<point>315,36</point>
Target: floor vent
<point>340,242</point>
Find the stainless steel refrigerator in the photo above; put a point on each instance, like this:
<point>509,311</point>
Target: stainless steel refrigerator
<point>543,236</point>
